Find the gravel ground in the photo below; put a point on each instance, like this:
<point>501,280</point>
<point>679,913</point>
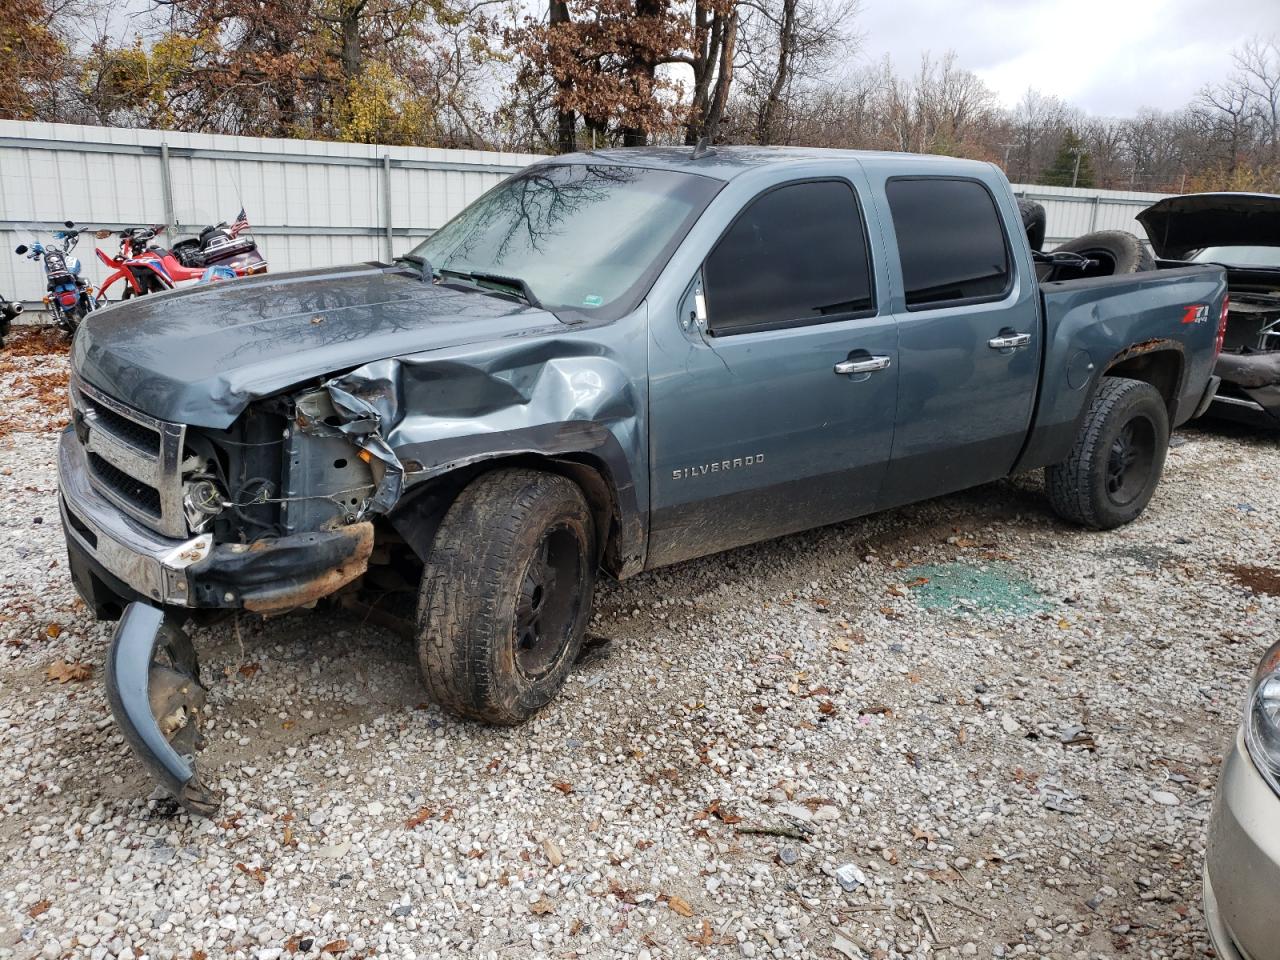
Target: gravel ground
<point>959,728</point>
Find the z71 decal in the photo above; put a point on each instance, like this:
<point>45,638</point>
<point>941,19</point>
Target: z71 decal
<point>1196,313</point>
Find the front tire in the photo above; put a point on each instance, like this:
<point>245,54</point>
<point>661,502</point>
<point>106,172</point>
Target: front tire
<point>1117,459</point>
<point>506,595</point>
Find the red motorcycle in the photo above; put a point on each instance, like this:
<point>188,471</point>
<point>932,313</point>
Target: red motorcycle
<point>220,252</point>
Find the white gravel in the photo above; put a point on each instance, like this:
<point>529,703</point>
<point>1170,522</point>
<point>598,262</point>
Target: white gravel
<point>1020,766</point>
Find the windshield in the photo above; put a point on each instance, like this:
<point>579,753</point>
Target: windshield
<point>582,237</point>
<point>1239,256</point>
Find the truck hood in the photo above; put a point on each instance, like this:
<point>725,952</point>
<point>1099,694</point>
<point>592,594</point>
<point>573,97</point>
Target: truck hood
<point>200,355</point>
<point>1176,226</point>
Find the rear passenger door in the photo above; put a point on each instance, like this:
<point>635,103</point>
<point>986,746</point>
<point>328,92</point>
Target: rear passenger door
<point>776,413</point>
<point>969,339</point>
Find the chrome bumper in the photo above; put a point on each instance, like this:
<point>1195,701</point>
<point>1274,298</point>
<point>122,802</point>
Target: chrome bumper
<point>153,565</point>
<point>1242,863</point>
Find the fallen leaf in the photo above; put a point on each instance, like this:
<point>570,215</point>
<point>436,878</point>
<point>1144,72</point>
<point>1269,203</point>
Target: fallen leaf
<point>554,856</point>
<point>925,835</point>
<point>680,905</point>
<point>703,939</point>
<point>563,786</point>
<point>917,582</point>
<point>38,908</point>
<point>53,631</point>
<point>288,840</point>
<point>542,906</point>
<point>841,646</point>
<point>623,894</point>
<point>422,816</point>
<point>65,672</point>
<point>827,708</point>
<point>199,955</point>
<point>876,709</point>
<point>249,669</point>
<point>334,946</point>
<point>257,873</point>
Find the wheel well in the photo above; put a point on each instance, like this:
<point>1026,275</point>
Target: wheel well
<point>418,516</point>
<point>1160,367</point>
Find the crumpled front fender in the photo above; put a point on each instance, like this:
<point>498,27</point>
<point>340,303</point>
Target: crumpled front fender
<point>582,393</point>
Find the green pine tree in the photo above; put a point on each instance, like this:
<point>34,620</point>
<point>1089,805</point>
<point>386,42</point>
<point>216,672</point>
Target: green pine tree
<point>1063,169</point>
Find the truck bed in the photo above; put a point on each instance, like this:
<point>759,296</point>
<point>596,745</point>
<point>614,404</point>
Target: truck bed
<point>1084,320</point>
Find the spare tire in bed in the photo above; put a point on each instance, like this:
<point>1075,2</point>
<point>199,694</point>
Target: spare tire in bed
<point>1114,250</point>
<point>1032,222</point>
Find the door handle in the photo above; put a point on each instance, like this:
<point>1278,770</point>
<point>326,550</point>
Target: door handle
<point>1007,341</point>
<point>867,365</point>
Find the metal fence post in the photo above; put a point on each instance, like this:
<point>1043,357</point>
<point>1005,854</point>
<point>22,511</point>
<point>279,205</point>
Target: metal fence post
<point>386,204</point>
<point>1093,216</point>
<point>166,188</point>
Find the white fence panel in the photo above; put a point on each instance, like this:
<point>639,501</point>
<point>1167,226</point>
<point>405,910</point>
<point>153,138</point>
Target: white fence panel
<point>311,203</point>
<point>1073,211</point>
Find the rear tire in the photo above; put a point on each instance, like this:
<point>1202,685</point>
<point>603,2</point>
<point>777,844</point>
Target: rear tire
<point>506,595</point>
<point>1116,462</point>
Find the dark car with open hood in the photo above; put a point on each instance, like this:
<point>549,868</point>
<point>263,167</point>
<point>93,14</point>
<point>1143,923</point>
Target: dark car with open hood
<point>1240,231</point>
<point>610,362</point>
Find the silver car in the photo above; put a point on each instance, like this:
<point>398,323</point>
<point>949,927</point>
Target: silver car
<point>1242,865</point>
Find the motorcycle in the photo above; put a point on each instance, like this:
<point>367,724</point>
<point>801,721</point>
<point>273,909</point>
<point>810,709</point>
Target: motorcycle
<point>218,253</point>
<point>70,296</point>
<point>9,311</point>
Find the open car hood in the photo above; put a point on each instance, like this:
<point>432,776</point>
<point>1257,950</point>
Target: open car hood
<point>1177,226</point>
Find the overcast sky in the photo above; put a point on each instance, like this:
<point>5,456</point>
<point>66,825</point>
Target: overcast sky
<point>1110,57</point>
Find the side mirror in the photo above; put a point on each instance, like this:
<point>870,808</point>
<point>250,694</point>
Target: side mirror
<point>69,224</point>
<point>20,249</point>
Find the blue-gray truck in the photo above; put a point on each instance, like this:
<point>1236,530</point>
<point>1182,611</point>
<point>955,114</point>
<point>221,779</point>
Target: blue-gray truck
<point>611,361</point>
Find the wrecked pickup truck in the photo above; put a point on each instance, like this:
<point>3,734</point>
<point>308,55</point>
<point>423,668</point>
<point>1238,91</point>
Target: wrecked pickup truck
<point>615,360</point>
<point>1240,231</point>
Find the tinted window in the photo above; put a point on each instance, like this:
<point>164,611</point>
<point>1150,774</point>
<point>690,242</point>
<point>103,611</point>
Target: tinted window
<point>950,240</point>
<point>795,255</point>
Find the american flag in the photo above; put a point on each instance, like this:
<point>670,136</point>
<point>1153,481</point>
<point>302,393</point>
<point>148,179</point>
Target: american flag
<point>241,224</point>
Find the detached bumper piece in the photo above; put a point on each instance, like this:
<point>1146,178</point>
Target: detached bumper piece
<point>158,705</point>
<point>1250,387</point>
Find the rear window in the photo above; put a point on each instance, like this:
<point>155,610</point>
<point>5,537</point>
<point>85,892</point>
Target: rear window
<point>796,255</point>
<point>951,241</point>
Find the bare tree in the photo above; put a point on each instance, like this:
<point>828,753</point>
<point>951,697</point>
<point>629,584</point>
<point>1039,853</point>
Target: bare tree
<point>1258,70</point>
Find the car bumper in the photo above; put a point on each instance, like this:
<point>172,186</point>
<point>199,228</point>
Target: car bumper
<point>116,560</point>
<point>149,582</point>
<point>1242,863</point>
<point>1252,388</point>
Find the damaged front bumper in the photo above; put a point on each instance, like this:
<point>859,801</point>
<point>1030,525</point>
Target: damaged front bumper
<point>1251,387</point>
<point>158,706</point>
<point>116,560</point>
<point>152,583</point>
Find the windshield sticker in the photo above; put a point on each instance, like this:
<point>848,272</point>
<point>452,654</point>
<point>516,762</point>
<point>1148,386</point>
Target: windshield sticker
<point>592,300</point>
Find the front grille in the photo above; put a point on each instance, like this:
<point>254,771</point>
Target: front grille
<point>135,460</point>
<point>145,498</point>
<point>130,431</point>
